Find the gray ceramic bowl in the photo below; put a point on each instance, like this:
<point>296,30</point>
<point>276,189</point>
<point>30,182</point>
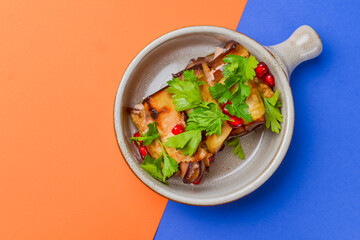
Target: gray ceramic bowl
<point>229,178</point>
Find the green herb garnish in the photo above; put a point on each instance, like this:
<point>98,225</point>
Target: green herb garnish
<point>240,66</point>
<point>190,76</point>
<point>170,165</point>
<point>149,136</point>
<point>221,92</point>
<point>238,70</point>
<point>187,141</point>
<point>206,119</point>
<point>153,167</point>
<point>186,94</point>
<point>238,151</point>
<point>272,111</point>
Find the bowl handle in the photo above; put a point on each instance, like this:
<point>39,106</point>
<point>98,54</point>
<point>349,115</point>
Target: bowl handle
<point>304,44</point>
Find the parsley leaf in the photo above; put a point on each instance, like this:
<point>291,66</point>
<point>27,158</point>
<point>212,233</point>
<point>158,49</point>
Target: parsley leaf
<point>238,70</point>
<point>235,142</point>
<point>149,136</point>
<point>222,91</point>
<point>240,66</point>
<point>153,167</point>
<point>190,76</point>
<point>170,166</point>
<point>240,110</point>
<point>238,107</point>
<point>240,94</point>
<point>272,111</point>
<point>187,141</point>
<point>231,68</point>
<point>209,120</point>
<point>250,67</point>
<point>186,94</point>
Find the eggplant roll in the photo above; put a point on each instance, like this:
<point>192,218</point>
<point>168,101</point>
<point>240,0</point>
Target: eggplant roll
<point>213,71</point>
<point>161,108</point>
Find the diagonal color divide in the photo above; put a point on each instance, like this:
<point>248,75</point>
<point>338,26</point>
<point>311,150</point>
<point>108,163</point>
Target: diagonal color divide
<point>315,192</point>
<point>61,173</point>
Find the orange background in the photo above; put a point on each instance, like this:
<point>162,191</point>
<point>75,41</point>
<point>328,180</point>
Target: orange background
<point>61,173</point>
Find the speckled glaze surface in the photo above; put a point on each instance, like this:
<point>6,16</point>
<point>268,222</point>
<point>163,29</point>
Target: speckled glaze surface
<point>229,178</point>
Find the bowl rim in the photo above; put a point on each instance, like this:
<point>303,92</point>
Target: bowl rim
<point>260,178</point>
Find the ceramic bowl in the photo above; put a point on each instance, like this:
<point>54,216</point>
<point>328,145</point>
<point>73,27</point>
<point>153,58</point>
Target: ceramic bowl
<point>229,178</point>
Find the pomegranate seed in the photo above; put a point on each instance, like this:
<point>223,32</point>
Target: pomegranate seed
<point>235,122</point>
<point>178,129</point>
<point>224,110</point>
<point>269,80</point>
<point>143,151</point>
<point>137,134</point>
<point>211,159</point>
<point>261,69</point>
<point>197,182</point>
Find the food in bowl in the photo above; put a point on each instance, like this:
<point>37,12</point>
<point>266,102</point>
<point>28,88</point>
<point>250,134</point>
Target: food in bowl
<point>215,100</point>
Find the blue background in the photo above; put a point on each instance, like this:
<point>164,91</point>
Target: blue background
<point>315,193</point>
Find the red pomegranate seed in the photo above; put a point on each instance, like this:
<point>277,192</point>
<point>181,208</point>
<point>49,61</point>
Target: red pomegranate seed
<point>224,110</point>
<point>211,159</point>
<point>197,182</point>
<point>261,69</point>
<point>235,122</point>
<point>178,129</point>
<point>269,80</point>
<point>143,151</point>
<point>137,134</point>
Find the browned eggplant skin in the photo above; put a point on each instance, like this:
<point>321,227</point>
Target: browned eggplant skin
<point>158,91</point>
<point>153,112</point>
<point>230,46</point>
<point>192,171</point>
<point>245,129</point>
<point>194,64</point>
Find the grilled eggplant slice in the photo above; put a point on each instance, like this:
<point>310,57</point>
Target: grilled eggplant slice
<point>255,103</point>
<point>230,48</point>
<point>214,142</point>
<point>191,171</point>
<point>141,119</point>
<point>161,108</point>
<point>264,89</point>
<point>256,107</point>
